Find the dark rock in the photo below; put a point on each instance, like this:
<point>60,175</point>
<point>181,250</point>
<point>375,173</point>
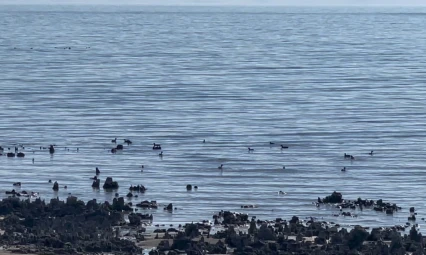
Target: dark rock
<point>265,233</point>
<point>148,205</point>
<point>55,186</point>
<point>191,230</point>
<point>110,184</point>
<point>164,245</point>
<point>294,220</point>
<point>414,235</point>
<point>134,219</point>
<point>335,197</point>
<point>356,237</point>
<point>169,207</point>
<point>389,211</point>
<point>96,184</point>
<point>139,188</point>
<point>253,228</point>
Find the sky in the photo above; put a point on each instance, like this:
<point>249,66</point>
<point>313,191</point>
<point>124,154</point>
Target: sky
<point>227,2</point>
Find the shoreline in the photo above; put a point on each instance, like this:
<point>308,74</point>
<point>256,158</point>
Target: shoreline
<point>75,227</point>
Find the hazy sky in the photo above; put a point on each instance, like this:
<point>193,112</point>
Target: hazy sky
<point>223,2</point>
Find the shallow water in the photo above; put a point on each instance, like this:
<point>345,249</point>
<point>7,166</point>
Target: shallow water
<point>323,81</point>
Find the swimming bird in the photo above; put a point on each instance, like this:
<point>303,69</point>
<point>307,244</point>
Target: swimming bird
<point>204,141</point>
<point>221,166</point>
<point>347,155</point>
<point>142,166</point>
<point>250,149</point>
<point>127,141</point>
<point>97,171</point>
<point>343,169</point>
<point>161,154</point>
<point>284,147</point>
<point>371,153</point>
<point>271,143</point>
<point>283,167</point>
<point>114,140</point>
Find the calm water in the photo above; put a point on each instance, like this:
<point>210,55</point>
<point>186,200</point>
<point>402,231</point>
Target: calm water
<point>322,81</point>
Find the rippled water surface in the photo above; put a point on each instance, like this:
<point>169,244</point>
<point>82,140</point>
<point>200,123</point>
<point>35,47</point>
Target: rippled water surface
<point>322,81</point>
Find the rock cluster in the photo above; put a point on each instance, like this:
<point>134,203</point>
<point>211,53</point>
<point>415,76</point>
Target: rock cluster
<point>231,218</point>
<point>293,237</point>
<point>139,188</point>
<point>379,205</point>
<point>148,205</point>
<point>60,227</point>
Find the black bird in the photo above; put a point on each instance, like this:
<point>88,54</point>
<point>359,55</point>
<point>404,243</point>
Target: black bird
<point>284,147</point>
<point>371,153</point>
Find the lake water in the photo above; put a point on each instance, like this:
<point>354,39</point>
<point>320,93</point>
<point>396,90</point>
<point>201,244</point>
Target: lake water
<point>323,81</point>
